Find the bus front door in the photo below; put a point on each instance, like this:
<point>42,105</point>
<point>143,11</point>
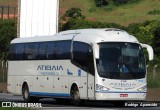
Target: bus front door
<point>91,87</point>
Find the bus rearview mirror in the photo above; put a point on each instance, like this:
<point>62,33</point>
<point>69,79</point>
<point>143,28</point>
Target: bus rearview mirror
<point>149,50</point>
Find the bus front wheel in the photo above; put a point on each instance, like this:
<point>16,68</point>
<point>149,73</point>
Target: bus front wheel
<point>26,95</point>
<point>75,96</point>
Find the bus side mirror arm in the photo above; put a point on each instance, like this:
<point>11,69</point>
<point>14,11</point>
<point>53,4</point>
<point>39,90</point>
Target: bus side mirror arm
<point>149,50</point>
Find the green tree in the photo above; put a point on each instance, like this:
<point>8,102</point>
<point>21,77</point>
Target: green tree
<point>7,33</point>
<point>73,13</point>
<point>149,33</point>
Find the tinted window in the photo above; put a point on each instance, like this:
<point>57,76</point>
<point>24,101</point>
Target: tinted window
<point>50,50</point>
<point>31,51</point>
<point>19,51</point>
<point>16,52</point>
<point>83,56</point>
<point>42,51</point>
<point>12,52</point>
<point>62,49</point>
<point>120,60</point>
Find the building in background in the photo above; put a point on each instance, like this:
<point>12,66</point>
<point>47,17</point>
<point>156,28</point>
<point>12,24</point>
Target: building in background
<point>8,9</point>
<point>37,17</point>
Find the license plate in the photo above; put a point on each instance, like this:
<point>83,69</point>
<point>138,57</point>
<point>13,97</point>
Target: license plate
<point>123,95</point>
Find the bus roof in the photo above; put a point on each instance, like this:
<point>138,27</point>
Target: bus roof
<point>84,35</point>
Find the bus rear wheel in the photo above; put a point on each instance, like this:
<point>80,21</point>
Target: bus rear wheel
<point>75,97</point>
<point>26,95</point>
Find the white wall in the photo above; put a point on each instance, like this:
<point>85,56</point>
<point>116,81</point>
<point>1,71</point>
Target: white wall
<point>38,17</point>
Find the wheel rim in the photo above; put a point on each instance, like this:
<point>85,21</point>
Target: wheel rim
<point>26,94</point>
<point>76,96</point>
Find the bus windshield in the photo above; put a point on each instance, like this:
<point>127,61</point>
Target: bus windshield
<point>121,60</point>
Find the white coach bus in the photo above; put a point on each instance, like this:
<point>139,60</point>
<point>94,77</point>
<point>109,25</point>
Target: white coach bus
<point>86,64</point>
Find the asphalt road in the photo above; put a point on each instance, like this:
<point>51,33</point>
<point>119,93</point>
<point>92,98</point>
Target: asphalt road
<point>48,104</point>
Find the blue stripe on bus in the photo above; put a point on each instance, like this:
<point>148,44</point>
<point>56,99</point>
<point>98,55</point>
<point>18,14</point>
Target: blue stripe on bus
<point>119,92</point>
<point>49,94</point>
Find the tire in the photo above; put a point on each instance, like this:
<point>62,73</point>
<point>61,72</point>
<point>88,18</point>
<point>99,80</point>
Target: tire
<point>26,95</point>
<point>75,97</point>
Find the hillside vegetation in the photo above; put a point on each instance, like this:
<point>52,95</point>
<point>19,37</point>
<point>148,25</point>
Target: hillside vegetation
<point>122,14</point>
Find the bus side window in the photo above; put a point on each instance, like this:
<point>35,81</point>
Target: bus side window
<point>50,51</point>
<point>19,51</point>
<point>42,51</point>
<point>83,56</point>
<point>12,53</point>
<point>62,49</point>
<point>31,51</point>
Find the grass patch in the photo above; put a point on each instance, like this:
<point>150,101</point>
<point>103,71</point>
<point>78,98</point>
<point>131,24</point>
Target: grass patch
<point>92,9</point>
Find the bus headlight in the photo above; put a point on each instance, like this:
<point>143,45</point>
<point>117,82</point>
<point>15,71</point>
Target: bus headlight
<point>144,88</point>
<point>101,88</point>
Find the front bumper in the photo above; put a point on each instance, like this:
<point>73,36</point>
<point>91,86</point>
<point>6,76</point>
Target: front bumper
<point>132,96</point>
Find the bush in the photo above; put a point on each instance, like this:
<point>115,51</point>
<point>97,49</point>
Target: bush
<point>119,2</point>
<point>73,13</point>
<point>154,12</point>
<point>100,3</point>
